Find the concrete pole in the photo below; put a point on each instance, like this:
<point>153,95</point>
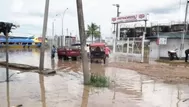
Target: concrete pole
<point>185,29</point>
<point>53,29</point>
<point>114,43</point>
<point>143,39</point>
<point>41,63</point>
<point>7,57</point>
<point>127,46</point>
<point>53,33</point>
<point>85,64</point>
<point>100,34</point>
<point>61,41</point>
<point>117,27</point>
<point>158,38</point>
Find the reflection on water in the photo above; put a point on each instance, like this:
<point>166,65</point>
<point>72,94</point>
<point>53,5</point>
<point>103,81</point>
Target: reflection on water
<point>42,87</point>
<point>53,64</point>
<point>97,69</point>
<point>85,96</point>
<point>28,56</point>
<point>128,88</point>
<point>8,96</point>
<point>129,58</point>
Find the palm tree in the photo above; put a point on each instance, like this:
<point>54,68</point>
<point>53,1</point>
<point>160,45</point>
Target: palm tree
<point>93,31</point>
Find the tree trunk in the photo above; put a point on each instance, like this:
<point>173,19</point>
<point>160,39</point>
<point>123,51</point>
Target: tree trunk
<point>85,64</point>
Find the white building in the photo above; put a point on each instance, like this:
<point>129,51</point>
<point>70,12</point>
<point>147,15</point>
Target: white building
<point>171,41</point>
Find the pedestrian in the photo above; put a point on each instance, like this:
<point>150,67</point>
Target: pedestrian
<point>107,51</point>
<point>53,51</point>
<point>186,55</point>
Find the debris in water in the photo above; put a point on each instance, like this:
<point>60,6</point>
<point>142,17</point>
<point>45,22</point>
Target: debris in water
<point>20,105</point>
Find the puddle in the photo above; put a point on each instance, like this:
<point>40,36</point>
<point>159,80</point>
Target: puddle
<point>66,89</point>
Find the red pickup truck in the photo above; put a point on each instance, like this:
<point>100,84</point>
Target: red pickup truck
<point>73,52</point>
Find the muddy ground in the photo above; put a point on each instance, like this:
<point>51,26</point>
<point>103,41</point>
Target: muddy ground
<point>128,87</point>
<point>171,73</point>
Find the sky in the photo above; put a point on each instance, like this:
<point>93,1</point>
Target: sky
<point>29,14</point>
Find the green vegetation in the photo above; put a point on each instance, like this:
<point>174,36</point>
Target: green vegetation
<point>99,81</point>
<point>93,30</point>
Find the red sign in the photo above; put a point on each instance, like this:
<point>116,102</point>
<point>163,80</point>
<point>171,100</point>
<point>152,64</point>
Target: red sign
<point>130,18</point>
<point>141,16</point>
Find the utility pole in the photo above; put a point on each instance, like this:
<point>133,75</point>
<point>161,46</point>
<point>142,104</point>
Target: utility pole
<point>157,30</point>
<point>63,27</point>
<point>143,39</point>
<point>100,34</point>
<point>117,25</point>
<point>7,56</point>
<point>67,32</point>
<point>85,64</point>
<point>185,29</point>
<point>53,43</point>
<point>53,28</point>
<point>41,63</point>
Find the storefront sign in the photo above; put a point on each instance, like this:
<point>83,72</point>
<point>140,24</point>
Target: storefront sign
<point>162,41</point>
<point>130,18</point>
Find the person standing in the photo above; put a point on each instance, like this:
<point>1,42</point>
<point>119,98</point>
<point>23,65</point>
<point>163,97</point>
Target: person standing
<point>186,55</point>
<point>107,51</point>
<point>53,51</point>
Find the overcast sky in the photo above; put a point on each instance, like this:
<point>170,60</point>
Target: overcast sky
<point>29,13</point>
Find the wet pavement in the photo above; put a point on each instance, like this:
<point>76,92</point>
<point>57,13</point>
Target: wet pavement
<point>128,88</point>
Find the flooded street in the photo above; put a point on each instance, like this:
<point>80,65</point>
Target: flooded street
<point>128,88</point>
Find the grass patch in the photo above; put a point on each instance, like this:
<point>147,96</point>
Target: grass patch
<point>99,81</point>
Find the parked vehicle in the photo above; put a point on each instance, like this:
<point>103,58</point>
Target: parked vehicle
<point>173,54</point>
<point>97,52</point>
<point>73,52</point>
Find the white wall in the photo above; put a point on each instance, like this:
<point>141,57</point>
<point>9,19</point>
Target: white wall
<point>171,45</point>
<point>153,50</point>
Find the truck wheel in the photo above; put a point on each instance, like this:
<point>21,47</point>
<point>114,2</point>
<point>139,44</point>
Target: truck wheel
<point>65,57</point>
<point>59,57</point>
<point>74,58</point>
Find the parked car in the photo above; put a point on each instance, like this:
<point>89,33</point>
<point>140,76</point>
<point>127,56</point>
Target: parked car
<point>73,52</point>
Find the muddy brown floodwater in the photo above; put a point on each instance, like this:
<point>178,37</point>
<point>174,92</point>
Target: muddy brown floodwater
<point>128,88</point>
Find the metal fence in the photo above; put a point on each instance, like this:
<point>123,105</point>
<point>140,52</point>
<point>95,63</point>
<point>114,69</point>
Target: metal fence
<point>132,46</point>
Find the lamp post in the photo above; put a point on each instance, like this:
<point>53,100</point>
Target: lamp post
<point>53,26</point>
<point>118,13</point>
<point>62,18</point>
<point>53,36</point>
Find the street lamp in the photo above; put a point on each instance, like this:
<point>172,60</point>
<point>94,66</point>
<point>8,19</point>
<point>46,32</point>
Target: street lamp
<point>118,13</point>
<point>53,27</point>
<point>62,24</point>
